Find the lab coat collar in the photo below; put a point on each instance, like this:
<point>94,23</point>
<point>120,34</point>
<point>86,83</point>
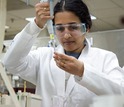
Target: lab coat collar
<point>85,51</point>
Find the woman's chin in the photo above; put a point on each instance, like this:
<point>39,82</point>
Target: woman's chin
<point>69,49</point>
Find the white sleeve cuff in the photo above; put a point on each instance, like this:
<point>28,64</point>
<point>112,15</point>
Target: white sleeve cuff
<point>32,28</point>
<point>77,78</point>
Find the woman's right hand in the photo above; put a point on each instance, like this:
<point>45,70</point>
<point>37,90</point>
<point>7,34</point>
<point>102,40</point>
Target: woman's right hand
<point>42,13</point>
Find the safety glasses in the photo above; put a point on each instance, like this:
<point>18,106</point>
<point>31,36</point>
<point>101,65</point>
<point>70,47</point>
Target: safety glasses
<point>70,27</point>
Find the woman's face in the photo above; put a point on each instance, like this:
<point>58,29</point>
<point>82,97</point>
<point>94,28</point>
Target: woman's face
<point>70,36</point>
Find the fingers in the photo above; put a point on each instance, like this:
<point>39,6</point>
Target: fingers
<point>61,64</point>
<point>42,5</point>
<point>42,14</point>
<point>43,10</point>
<point>69,64</point>
<point>63,57</point>
<point>62,60</point>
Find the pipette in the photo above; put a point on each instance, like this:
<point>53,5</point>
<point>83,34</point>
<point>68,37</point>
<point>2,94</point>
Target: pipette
<point>50,23</point>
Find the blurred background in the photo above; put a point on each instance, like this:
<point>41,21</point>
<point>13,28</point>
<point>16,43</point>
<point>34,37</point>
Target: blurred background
<point>107,31</point>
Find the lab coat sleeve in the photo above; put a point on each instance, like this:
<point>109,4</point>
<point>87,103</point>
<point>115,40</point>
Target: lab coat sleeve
<point>106,82</point>
<point>17,60</point>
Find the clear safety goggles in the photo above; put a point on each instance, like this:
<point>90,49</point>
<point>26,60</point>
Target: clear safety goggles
<point>74,27</point>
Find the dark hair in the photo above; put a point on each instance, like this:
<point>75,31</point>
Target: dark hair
<point>78,7</point>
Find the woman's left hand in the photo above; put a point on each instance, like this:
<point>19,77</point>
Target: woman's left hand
<point>69,64</point>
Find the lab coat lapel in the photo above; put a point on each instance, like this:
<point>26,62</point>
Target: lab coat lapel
<point>70,85</point>
<point>71,82</point>
<point>85,52</point>
<point>59,80</point>
<point>58,77</point>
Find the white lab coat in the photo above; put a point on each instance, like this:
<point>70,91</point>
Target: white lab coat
<point>102,74</point>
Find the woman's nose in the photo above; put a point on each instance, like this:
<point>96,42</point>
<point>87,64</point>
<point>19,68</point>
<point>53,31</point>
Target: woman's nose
<point>67,35</point>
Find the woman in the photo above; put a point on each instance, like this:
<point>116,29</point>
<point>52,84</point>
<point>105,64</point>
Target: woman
<point>75,71</point>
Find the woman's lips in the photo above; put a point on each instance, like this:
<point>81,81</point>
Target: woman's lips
<point>68,42</point>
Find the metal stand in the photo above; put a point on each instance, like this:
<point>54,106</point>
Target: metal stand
<point>9,86</point>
